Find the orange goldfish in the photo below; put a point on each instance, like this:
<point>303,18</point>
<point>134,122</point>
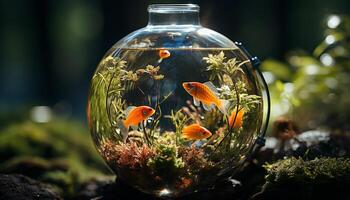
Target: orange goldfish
<point>195,132</point>
<point>239,118</point>
<point>134,116</point>
<point>207,94</point>
<point>163,53</point>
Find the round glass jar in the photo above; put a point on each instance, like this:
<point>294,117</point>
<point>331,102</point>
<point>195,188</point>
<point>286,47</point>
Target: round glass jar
<point>175,107</point>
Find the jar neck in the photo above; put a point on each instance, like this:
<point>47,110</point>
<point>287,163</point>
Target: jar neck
<point>173,14</point>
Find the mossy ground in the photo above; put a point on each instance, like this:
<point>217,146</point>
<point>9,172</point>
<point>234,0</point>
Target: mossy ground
<point>59,152</point>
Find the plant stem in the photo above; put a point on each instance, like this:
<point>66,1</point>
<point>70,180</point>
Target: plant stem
<point>145,133</point>
<point>229,128</point>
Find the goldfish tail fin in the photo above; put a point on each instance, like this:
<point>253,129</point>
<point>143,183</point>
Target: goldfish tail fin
<point>208,107</point>
<point>225,104</point>
<point>123,130</point>
<point>196,102</point>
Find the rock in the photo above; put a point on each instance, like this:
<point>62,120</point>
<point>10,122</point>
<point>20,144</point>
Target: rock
<point>33,167</point>
<point>106,190</point>
<point>116,190</point>
<point>308,145</point>
<point>314,137</point>
<point>19,187</point>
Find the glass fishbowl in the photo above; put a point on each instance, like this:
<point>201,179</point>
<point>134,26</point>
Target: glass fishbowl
<point>175,107</point>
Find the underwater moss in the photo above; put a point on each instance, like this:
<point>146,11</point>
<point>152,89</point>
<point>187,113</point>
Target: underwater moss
<point>166,162</point>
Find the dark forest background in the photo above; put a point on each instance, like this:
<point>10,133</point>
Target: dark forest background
<point>49,49</point>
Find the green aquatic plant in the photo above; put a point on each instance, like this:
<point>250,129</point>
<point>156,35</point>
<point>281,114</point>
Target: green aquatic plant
<point>179,120</point>
<point>166,163</point>
<point>235,91</point>
<point>106,86</point>
<point>220,68</point>
<point>152,71</point>
<point>133,77</point>
<point>166,158</point>
<point>246,101</point>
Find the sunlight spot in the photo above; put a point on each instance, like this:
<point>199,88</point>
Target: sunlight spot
<point>331,83</point>
<point>330,39</point>
<point>288,87</point>
<point>164,192</point>
<point>333,21</point>
<point>41,114</point>
<point>311,69</point>
<point>326,59</point>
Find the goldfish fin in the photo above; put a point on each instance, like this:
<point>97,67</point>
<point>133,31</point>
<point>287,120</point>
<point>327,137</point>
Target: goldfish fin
<point>160,60</point>
<point>128,110</point>
<point>134,127</point>
<point>212,87</point>
<point>123,130</point>
<point>196,102</point>
<point>186,136</point>
<point>208,107</point>
<point>225,104</point>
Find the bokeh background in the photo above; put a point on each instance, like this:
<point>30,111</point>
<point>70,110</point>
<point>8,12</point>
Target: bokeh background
<point>49,49</point>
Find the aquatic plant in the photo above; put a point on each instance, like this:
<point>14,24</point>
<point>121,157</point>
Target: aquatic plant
<point>166,163</point>
<point>194,159</point>
<point>221,69</point>
<point>235,91</point>
<point>246,101</point>
<point>132,156</point>
<point>152,71</point>
<point>106,86</point>
<point>179,120</point>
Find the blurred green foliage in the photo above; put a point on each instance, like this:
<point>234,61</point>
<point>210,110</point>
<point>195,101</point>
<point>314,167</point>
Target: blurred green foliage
<point>313,89</point>
<point>59,152</point>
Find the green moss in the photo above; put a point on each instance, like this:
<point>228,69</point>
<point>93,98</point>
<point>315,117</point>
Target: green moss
<point>166,158</point>
<point>308,173</point>
<point>60,153</point>
<point>166,162</point>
